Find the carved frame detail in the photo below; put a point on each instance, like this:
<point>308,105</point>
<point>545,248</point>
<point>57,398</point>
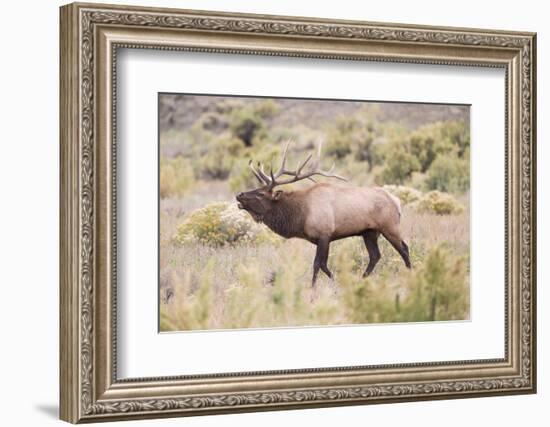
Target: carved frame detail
<point>81,397</point>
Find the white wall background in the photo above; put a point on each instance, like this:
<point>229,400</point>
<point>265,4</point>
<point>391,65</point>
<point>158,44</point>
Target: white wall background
<point>29,171</point>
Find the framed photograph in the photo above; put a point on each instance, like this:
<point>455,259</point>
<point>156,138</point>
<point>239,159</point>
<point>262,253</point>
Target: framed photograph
<point>266,212</point>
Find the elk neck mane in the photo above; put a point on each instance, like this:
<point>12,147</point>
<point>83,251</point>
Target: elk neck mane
<point>287,216</point>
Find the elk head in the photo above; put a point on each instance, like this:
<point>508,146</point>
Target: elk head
<point>263,199</point>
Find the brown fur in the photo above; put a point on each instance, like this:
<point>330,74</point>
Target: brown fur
<point>325,212</point>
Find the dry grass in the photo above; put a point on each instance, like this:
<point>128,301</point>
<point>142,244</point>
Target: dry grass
<point>206,144</point>
<point>269,285</point>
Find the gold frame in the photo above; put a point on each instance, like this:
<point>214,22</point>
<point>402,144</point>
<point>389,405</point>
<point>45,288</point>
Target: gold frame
<point>90,36</point>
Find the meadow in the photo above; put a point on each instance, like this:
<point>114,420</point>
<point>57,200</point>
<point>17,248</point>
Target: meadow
<point>219,269</point>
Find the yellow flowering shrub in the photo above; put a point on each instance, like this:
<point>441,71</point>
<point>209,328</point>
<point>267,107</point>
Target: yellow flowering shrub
<point>439,203</point>
<point>436,202</point>
<point>405,194</point>
<point>223,223</point>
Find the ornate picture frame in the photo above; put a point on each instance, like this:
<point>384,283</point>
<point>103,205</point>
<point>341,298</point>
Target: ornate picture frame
<point>90,37</point>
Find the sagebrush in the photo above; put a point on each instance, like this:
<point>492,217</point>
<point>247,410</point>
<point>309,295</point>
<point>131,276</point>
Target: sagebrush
<point>219,269</point>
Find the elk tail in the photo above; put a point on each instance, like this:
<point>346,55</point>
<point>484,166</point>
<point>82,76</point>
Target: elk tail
<point>395,200</point>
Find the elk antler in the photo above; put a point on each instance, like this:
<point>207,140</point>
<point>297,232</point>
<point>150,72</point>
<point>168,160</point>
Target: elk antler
<point>259,173</point>
<point>296,175</point>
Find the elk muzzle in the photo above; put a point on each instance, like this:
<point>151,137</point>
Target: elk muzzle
<point>240,199</point>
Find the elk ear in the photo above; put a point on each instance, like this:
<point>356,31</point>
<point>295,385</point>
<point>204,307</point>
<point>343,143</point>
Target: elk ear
<point>277,195</point>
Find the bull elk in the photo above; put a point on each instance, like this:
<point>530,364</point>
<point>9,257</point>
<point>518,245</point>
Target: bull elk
<point>324,212</point>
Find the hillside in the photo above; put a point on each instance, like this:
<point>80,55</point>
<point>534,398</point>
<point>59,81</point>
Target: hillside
<point>179,111</point>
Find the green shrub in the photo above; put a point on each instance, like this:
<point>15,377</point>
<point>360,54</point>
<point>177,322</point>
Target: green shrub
<point>266,109</point>
<point>198,140</point>
<point>213,122</point>
<point>423,143</point>
<point>440,138</point>
<point>438,203</point>
<point>176,177</point>
<point>217,163</point>
<point>448,173</point>
<point>241,177</point>
<point>190,310</point>
<point>363,149</point>
<point>340,137</point>
<point>399,164</point>
<point>352,135</point>
<point>338,147</point>
<point>366,301</point>
<point>356,172</point>
<point>437,289</point>
<point>226,105</point>
<point>219,224</point>
<point>458,134</point>
<point>246,124</point>
<point>417,180</point>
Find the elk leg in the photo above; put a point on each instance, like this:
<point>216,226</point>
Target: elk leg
<point>405,254</point>
<point>371,242</point>
<point>324,261</point>
<point>324,266</point>
<point>401,247</point>
<point>321,258</point>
